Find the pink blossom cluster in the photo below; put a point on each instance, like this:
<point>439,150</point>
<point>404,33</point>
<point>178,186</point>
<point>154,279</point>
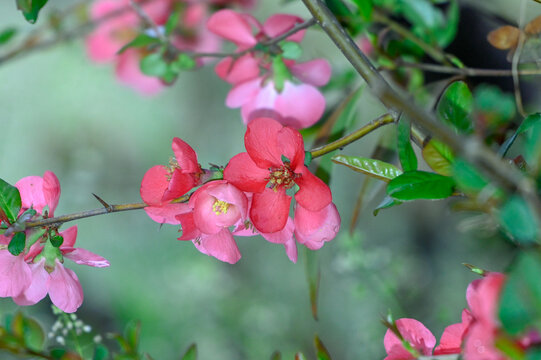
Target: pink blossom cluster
<point>191,34</point>
<point>252,198</point>
<point>265,83</point>
<point>475,337</point>
<point>39,270</point>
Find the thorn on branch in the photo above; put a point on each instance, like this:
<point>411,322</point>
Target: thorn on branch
<point>107,207</point>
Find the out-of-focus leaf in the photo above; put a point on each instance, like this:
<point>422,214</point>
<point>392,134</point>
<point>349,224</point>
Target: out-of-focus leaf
<point>520,299</point>
<point>365,8</point>
<point>421,13</point>
<point>6,35</point>
<point>468,178</point>
<point>132,333</point>
<point>184,62</point>
<point>17,325</point>
<point>191,353</point>
<point>313,275</point>
<point>533,354</point>
<point>386,203</point>
<point>321,352</point>
<point>276,356</point>
<point>518,220</point>
<point>100,353</point>
<point>415,185</point>
<point>10,202</point>
<point>31,9</point>
<point>532,146</point>
<point>492,106</point>
<point>456,105</point>
<point>300,356</point>
<point>504,37</point>
<point>446,34</point>
<point>407,156</point>
<point>34,336</point>
<point>439,157</point>
<point>526,124</point>
<point>291,50</point>
<point>172,22</point>
<point>142,40</point>
<point>17,243</point>
<point>153,65</point>
<point>371,167</point>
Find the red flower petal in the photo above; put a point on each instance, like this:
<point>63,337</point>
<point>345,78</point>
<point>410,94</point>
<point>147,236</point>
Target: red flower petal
<point>261,141</point>
<point>245,174</point>
<point>315,72</point>
<point>270,210</point>
<point>185,155</point>
<point>232,26</point>
<point>292,146</point>
<point>51,190</point>
<point>239,70</point>
<point>279,24</point>
<point>179,185</point>
<point>413,332</point>
<point>221,245</point>
<point>154,185</point>
<point>313,194</point>
<point>167,213</point>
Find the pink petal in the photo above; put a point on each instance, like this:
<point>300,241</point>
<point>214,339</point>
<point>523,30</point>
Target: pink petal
<point>270,210</point>
<point>51,190</point>
<point>31,190</point>
<point>230,194</point>
<point>65,290</point>
<point>281,23</point>
<point>129,73</point>
<point>451,340</point>
<point>313,193</point>
<point>480,343</point>
<point>314,228</point>
<point>232,26</point>
<point>101,47</point>
<point>413,332</point>
<point>291,250</point>
<point>261,142</point>
<point>85,257</point>
<point>237,71</point>
<point>291,143</point>
<point>315,72</point>
<point>243,93</point>
<point>179,185</point>
<point>154,185</point>
<point>483,296</point>
<point>204,217</point>
<point>242,172</point>
<point>189,229</point>
<point>283,236</point>
<point>15,274</point>
<point>186,156</point>
<point>38,287</point>
<point>167,213</point>
<point>221,245</point>
<point>301,106</point>
<point>70,236</point>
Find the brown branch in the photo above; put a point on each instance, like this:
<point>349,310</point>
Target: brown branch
<point>465,71</point>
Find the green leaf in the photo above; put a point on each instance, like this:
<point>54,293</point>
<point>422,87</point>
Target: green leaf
<point>456,106</point>
<point>291,50</point>
<point>407,156</point>
<point>415,185</point>
<point>493,106</point>
<point>100,353</point>
<point>132,333</point>
<point>446,34</point>
<point>16,245</point>
<point>153,65</point>
<point>532,146</point>
<point>421,13</point>
<point>386,203</point>
<point>184,62</point>
<point>307,158</point>
<point>280,73</point>
<point>321,352</point>
<point>276,356</point>
<point>7,35</point>
<point>191,353</point>
<point>533,354</point>
<point>10,202</point>
<point>468,178</point>
<point>142,40</point>
<point>439,157</point>
<point>313,275</point>
<point>57,240</point>
<point>518,220</point>
<point>365,8</point>
<point>529,122</point>
<point>31,9</point>
<point>34,336</point>
<point>371,167</point>
<point>520,299</point>
<point>172,22</point>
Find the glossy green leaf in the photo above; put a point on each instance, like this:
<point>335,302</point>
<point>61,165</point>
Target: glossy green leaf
<point>529,122</point>
<point>34,336</point>
<point>371,167</point>
<point>100,353</point>
<point>191,353</point>
<point>153,65</point>
<point>6,35</point>
<point>31,9</point>
<point>520,299</point>
<point>439,157</point>
<point>407,156</point>
<point>386,203</point>
<point>57,240</point>
<point>142,40</point>
<point>291,50</point>
<point>17,243</point>
<point>455,107</point>
<point>10,202</point>
<point>519,221</point>
<point>415,185</point>
<point>321,351</point>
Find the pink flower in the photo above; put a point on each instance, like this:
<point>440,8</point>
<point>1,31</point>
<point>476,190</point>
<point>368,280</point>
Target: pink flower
<point>274,163</point>
<point>216,206</point>
<point>296,103</point>
<point>39,269</point>
<point>161,185</point>
<point>314,228</point>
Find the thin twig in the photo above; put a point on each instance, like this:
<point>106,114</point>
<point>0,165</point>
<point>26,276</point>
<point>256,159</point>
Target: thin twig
<point>465,71</point>
<point>516,59</point>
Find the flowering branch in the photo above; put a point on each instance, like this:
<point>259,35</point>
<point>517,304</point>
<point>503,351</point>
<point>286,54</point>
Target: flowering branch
<point>470,148</point>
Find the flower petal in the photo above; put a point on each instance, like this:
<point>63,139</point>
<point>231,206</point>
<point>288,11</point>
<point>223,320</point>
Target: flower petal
<point>70,236</point>
<point>270,210</point>
<point>314,228</point>
<point>38,285</point>
<point>185,155</point>
<point>242,172</point>
<point>315,72</point>
<point>154,185</point>
<point>243,93</point>
<point>291,250</point>
<point>31,190</point>
<point>167,214</point>
<point>301,106</point>
<point>279,24</point>
<point>283,236</point>
<point>15,274</point>
<point>179,185</point>
<point>232,26</point>
<point>221,245</point>
<point>85,257</point>
<point>313,193</point>
<point>261,142</point>
<point>413,332</point>
<point>51,191</point>
<point>65,290</point>
<point>236,71</point>
<point>189,230</point>
<point>128,72</point>
<point>451,340</point>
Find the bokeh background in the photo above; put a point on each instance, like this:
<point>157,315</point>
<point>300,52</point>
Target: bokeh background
<point>60,112</point>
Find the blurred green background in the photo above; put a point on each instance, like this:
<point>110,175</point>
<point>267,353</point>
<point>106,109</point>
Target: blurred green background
<point>60,112</point>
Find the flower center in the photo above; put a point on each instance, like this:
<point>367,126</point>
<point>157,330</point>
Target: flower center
<point>282,177</point>
<point>220,207</point>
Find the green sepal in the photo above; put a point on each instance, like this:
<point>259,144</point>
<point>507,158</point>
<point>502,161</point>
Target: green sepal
<point>141,40</point>
<point>191,353</point>
<point>56,240</point>
<point>291,50</point>
<point>280,73</point>
<point>31,9</point>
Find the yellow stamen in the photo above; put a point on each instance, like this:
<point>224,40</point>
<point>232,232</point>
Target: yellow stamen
<point>220,207</point>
